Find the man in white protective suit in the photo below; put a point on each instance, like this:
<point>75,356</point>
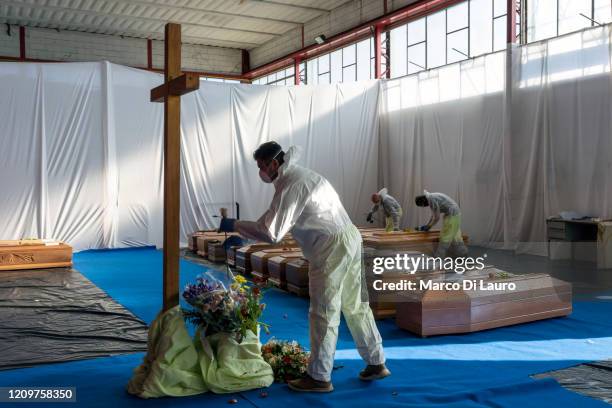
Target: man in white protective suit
<point>306,204</point>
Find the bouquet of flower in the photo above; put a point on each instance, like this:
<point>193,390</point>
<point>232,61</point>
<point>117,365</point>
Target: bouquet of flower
<point>287,359</point>
<point>216,309</point>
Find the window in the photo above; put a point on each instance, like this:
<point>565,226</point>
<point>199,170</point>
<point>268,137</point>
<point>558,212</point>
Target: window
<point>354,62</point>
<point>459,32</point>
<point>282,77</point>
<point>551,18</point>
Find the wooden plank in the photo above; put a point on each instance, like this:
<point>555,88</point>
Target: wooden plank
<point>172,181</point>
<point>176,87</point>
<point>36,266</point>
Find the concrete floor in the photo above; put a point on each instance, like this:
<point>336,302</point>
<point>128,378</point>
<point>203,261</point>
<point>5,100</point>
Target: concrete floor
<point>588,282</point>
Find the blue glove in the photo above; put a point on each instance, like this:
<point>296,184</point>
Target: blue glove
<point>422,228</point>
<point>227,225</point>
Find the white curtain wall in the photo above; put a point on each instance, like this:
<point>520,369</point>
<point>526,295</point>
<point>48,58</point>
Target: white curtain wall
<point>515,136</point>
<point>81,150</point>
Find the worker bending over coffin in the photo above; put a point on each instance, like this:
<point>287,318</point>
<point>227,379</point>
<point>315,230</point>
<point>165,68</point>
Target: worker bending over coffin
<point>306,204</point>
<point>391,208</point>
<point>450,236</point>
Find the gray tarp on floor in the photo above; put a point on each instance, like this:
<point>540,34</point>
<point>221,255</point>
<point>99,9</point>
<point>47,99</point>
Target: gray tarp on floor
<point>592,379</point>
<point>54,315</point>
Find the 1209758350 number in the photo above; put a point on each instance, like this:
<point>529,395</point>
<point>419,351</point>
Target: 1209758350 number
<point>33,394</point>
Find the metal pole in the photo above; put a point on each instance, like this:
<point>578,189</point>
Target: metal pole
<point>296,69</point>
<point>511,22</point>
<point>377,51</point>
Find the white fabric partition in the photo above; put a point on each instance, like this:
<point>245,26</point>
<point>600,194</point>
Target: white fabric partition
<point>81,150</point>
<point>513,146</point>
<point>561,145</point>
<point>441,131</point>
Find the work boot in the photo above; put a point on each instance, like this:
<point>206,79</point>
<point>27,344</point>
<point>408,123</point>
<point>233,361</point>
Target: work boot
<point>374,372</point>
<point>309,384</point>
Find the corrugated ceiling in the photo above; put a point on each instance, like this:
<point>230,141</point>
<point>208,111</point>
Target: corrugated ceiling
<point>225,23</point>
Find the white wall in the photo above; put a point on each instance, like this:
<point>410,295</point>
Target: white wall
<point>49,44</point>
<point>341,19</point>
<point>9,45</point>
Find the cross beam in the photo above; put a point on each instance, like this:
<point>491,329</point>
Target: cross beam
<point>175,84</point>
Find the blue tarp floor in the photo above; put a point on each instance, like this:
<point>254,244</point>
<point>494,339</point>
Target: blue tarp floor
<point>490,368</point>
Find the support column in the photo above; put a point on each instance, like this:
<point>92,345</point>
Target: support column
<point>511,21</point>
<point>296,67</point>
<point>22,44</point>
<point>246,61</point>
<point>377,51</point>
<point>149,54</point>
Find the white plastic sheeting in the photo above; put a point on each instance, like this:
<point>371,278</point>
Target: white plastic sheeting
<point>512,155</point>
<point>441,131</point>
<point>561,144</point>
<point>81,150</point>
<point>81,147</point>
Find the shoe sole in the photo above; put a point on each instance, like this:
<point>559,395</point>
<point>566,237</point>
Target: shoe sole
<point>375,377</point>
<point>317,390</point>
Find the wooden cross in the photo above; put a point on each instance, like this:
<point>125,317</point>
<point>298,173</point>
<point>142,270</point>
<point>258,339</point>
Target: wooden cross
<point>175,85</point>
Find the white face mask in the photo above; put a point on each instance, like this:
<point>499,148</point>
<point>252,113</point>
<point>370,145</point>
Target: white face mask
<point>264,177</point>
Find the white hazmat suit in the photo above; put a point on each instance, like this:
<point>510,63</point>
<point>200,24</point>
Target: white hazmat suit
<point>306,204</point>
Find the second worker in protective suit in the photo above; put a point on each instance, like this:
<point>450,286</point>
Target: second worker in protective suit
<point>391,208</point>
<point>451,238</point>
<point>306,204</point>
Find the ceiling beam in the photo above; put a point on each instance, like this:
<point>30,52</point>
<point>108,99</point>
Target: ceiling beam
<point>94,13</point>
<point>166,6</point>
<point>293,6</point>
<point>108,30</point>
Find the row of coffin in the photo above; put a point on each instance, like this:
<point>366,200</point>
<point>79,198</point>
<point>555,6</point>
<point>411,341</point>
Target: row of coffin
<point>284,266</point>
<point>424,312</point>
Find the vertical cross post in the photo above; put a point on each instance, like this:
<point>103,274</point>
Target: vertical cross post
<point>172,157</point>
<point>175,84</point>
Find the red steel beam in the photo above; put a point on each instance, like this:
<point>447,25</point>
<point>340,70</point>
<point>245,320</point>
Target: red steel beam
<point>296,75</point>
<point>511,22</point>
<point>149,54</point>
<point>403,15</point>
<point>377,51</point>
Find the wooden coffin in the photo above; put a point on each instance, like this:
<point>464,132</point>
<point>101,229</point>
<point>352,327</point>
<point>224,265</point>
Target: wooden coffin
<point>193,239</point>
<point>297,276</point>
<point>277,268</point>
<point>231,255</point>
<point>383,302</point>
<point>431,312</point>
<point>259,261</point>
<point>243,255</point>
<point>216,252</point>
<point>425,242</point>
<point>367,232</point>
<point>203,239</point>
<point>34,254</point>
